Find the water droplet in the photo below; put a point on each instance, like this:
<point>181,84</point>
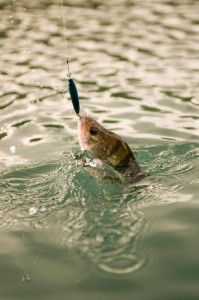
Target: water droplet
<point>26,277</point>
<point>12,149</point>
<point>32,211</point>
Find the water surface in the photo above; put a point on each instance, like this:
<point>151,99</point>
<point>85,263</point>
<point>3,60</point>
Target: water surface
<point>63,232</point>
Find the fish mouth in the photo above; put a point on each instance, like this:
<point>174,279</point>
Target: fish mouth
<point>81,121</point>
<point>82,136</point>
<point>81,126</point>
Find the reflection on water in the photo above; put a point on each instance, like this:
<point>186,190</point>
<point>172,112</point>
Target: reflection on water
<point>136,69</point>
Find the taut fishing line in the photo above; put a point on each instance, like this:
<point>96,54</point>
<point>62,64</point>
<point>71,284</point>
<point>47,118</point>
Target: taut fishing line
<point>71,84</point>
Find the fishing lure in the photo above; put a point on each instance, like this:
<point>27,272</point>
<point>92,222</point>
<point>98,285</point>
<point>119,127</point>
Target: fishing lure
<point>73,94</point>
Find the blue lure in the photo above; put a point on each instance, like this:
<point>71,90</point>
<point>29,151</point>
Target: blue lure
<point>73,94</point>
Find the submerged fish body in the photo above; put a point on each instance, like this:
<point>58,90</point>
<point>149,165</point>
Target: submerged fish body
<point>106,145</point>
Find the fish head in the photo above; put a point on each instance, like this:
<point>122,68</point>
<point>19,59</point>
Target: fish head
<point>102,143</point>
<point>91,134</point>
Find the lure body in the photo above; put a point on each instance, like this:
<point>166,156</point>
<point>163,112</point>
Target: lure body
<point>74,95</point>
<point>106,145</point>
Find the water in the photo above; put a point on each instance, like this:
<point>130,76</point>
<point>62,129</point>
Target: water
<point>65,233</point>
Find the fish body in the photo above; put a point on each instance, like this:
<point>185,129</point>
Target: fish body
<point>106,145</point>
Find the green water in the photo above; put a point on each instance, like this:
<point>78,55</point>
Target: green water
<point>63,233</point>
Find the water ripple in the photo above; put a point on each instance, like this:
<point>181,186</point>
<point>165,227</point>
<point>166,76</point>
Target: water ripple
<point>136,69</point>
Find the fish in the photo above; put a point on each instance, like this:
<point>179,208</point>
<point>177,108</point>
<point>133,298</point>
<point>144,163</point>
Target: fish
<point>106,146</point>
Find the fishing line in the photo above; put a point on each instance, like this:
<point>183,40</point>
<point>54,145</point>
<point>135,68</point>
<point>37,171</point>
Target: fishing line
<point>64,32</point>
<point>71,84</point>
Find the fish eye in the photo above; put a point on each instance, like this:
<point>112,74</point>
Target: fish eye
<point>93,130</point>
